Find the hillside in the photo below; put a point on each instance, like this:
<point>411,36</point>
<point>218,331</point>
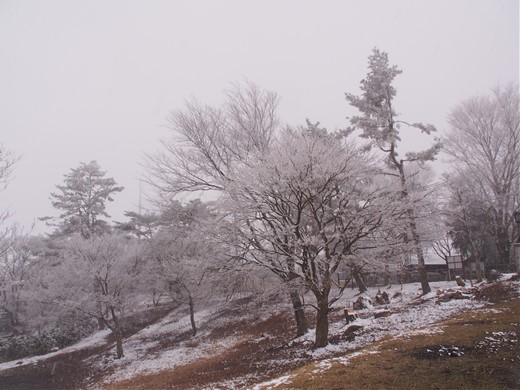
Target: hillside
<point>248,343</point>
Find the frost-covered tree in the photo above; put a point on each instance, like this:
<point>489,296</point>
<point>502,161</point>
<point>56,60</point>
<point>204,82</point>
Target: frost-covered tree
<point>468,219</point>
<point>307,206</point>
<point>207,141</point>
<point>27,272</point>
<point>140,225</point>
<point>379,123</point>
<point>82,199</point>
<point>439,232</point>
<point>98,276</point>
<point>7,163</point>
<point>246,249</point>
<point>16,266</point>
<point>183,263</point>
<point>184,257</point>
<point>484,144</point>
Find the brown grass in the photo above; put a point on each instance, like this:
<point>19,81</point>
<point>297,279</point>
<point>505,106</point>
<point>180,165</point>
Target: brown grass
<point>266,352</point>
<point>246,357</point>
<point>406,364</point>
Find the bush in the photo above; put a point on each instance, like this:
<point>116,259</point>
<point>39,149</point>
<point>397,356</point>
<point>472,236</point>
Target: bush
<point>21,346</point>
<point>71,329</point>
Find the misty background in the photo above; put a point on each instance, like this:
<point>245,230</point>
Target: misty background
<point>82,81</point>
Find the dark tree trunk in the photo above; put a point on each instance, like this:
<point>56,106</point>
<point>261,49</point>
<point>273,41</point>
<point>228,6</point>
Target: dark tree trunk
<point>192,316</point>
<point>413,229</point>
<point>503,246</point>
<point>478,264</point>
<point>118,333</point>
<point>101,323</point>
<point>322,323</point>
<point>101,318</point>
<point>299,313</point>
<point>420,256</point>
<point>119,344</point>
<point>387,276</point>
<point>359,280</point>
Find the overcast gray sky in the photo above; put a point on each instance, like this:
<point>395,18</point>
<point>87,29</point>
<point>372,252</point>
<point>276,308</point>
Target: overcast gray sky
<point>95,80</point>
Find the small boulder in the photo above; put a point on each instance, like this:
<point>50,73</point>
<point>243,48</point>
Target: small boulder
<point>382,313</point>
<point>362,303</point>
<point>382,298</point>
<point>459,281</point>
<point>350,333</point>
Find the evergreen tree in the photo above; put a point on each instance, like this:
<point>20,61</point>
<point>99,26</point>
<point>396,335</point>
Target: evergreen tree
<point>379,124</point>
<point>82,198</point>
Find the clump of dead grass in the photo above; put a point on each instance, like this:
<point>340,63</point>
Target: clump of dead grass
<point>498,292</point>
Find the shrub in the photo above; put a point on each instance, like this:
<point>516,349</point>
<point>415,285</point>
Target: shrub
<point>70,329</point>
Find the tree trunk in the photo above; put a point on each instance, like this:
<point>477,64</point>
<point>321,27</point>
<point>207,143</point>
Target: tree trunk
<point>118,334</point>
<point>299,313</point>
<point>322,323</point>
<point>503,246</point>
<point>101,318</point>
<point>478,264</point>
<point>291,281</point>
<point>119,344</point>
<point>100,323</point>
<point>387,276</point>
<point>423,276</point>
<point>192,316</point>
<point>420,256</point>
<point>359,280</point>
<point>415,234</point>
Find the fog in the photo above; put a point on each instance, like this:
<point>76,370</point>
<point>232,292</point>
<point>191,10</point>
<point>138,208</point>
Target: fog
<point>96,80</point>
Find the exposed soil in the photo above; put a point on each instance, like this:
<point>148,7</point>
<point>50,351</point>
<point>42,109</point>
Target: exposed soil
<point>265,349</point>
<point>70,370</point>
<point>66,371</point>
<point>263,353</point>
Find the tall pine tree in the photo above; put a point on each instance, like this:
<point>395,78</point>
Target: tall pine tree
<point>82,199</point>
<point>379,124</point>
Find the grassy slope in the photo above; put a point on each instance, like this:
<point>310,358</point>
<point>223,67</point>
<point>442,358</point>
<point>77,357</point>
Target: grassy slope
<point>263,353</point>
<point>403,363</point>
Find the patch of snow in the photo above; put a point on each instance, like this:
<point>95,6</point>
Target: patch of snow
<point>418,318</point>
<point>142,354</point>
<point>283,380</point>
<point>426,330</point>
<point>140,361</point>
<point>492,310</point>
<point>145,351</point>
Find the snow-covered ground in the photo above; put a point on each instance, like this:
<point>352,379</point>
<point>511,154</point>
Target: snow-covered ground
<point>409,319</point>
<point>144,355</point>
<point>165,344</point>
